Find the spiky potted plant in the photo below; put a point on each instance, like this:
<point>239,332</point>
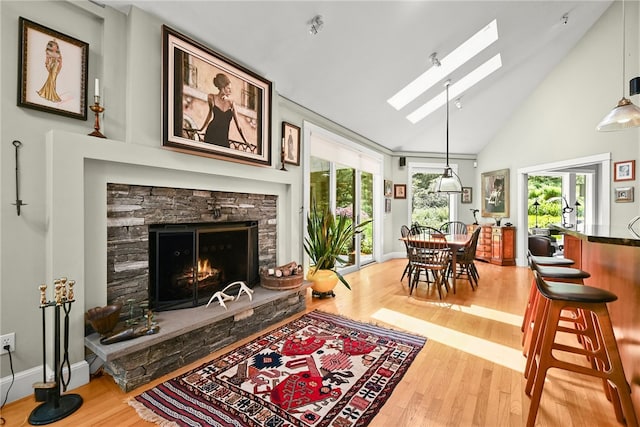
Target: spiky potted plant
<point>327,242</point>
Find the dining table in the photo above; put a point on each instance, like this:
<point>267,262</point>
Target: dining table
<point>453,241</point>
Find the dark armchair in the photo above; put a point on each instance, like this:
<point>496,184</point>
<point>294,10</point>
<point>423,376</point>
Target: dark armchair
<point>541,246</point>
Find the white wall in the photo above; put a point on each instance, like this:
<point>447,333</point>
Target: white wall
<point>557,122</point>
<point>63,172</point>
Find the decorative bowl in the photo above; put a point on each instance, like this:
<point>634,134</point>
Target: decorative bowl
<point>104,319</point>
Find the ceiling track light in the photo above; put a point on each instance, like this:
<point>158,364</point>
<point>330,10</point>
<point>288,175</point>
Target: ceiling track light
<point>434,60</point>
<point>624,115</point>
<point>315,25</point>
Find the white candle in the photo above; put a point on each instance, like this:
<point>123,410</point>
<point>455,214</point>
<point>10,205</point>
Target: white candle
<point>97,87</point>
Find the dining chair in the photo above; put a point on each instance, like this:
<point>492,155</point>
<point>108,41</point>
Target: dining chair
<point>465,261</point>
<point>404,232</point>
<point>417,229</point>
<point>454,227</point>
<point>430,256</point>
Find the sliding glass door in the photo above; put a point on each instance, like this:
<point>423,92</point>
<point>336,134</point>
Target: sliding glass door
<point>344,188</point>
<point>342,175</point>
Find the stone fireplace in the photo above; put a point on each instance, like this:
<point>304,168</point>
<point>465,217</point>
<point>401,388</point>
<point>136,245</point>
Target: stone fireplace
<point>134,215</point>
<point>134,211</point>
<point>102,243</point>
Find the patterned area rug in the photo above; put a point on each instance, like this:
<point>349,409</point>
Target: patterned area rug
<point>318,370</point>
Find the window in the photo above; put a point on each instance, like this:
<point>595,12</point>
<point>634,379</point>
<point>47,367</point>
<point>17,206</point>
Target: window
<point>427,207</point>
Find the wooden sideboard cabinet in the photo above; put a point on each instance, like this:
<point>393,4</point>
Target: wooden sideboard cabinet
<point>483,250</point>
<point>496,245</point>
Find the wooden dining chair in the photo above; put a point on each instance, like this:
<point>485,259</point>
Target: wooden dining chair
<point>404,232</point>
<point>454,227</point>
<point>431,257</point>
<point>465,262</point>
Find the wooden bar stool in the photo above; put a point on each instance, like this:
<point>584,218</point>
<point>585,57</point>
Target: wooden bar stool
<point>552,260</point>
<point>548,272</point>
<point>602,349</point>
<point>544,261</point>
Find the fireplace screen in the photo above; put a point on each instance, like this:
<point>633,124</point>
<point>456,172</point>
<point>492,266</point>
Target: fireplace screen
<point>188,263</point>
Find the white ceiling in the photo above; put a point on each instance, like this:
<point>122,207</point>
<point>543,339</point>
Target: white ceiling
<point>368,50</point>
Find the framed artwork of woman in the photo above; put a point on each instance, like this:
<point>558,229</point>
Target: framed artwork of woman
<point>53,71</point>
<point>290,144</point>
<point>212,106</point>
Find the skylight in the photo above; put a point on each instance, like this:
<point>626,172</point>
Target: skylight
<point>463,53</point>
<point>456,89</point>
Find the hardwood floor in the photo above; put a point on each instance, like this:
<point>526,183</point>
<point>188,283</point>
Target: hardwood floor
<point>468,374</point>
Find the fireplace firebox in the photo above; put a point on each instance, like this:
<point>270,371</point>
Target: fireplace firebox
<point>188,263</point>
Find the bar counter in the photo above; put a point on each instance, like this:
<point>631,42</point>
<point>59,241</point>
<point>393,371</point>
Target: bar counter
<point>612,257</point>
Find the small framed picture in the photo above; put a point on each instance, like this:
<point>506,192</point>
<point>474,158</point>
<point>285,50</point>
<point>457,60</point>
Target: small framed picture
<point>400,191</point>
<point>290,144</point>
<point>387,205</point>
<point>467,195</point>
<point>388,188</point>
<point>624,194</point>
<point>624,171</point>
<point>46,84</point>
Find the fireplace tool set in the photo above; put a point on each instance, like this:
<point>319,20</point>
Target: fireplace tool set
<point>55,406</point>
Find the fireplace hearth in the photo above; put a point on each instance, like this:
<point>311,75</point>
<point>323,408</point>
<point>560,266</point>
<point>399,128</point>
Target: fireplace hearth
<point>188,263</point>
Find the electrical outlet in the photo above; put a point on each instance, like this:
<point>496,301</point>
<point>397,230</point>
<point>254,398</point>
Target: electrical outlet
<point>8,339</point>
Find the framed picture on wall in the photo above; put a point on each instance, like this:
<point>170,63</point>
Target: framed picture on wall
<point>387,205</point>
<point>211,105</point>
<point>290,144</point>
<point>53,71</point>
<point>388,188</point>
<point>495,193</point>
<point>400,191</point>
<point>624,171</point>
<point>467,195</point>
<point>624,194</point>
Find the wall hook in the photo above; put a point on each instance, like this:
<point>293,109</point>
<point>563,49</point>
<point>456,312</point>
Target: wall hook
<point>18,203</point>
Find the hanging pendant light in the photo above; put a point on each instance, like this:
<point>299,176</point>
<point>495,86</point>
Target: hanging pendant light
<point>449,181</point>
<point>625,115</point>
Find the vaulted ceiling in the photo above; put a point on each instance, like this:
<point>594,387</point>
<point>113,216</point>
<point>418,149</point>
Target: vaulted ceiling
<point>368,50</point>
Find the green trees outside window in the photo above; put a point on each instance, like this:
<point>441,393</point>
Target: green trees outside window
<point>547,190</point>
<point>427,207</point>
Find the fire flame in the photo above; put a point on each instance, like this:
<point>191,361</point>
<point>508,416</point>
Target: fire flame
<point>204,269</point>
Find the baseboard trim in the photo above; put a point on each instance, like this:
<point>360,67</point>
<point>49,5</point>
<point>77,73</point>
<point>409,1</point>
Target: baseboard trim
<point>24,380</point>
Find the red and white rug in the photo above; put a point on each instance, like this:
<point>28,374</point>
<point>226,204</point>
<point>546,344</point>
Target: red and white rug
<point>317,370</point>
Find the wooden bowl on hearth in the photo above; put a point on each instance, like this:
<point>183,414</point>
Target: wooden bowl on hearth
<point>104,319</point>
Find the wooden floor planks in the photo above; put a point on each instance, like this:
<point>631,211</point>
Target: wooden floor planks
<point>446,385</point>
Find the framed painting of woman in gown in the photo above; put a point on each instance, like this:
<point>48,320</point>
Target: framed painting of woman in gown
<point>53,71</point>
<point>213,106</point>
